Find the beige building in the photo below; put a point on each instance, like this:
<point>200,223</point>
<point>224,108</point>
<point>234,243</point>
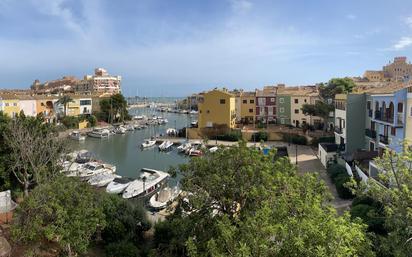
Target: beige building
<point>398,70</point>
<point>100,82</point>
<point>217,109</point>
<point>300,96</point>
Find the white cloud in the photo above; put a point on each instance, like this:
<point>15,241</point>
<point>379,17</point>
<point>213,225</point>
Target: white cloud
<point>403,43</point>
<point>351,16</point>
<point>408,21</point>
<point>241,6</point>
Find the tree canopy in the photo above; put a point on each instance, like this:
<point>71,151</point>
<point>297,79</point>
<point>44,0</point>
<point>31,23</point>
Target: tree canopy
<point>336,86</point>
<point>243,203</point>
<point>114,109</point>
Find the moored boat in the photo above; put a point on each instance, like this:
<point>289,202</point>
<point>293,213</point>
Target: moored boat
<point>102,179</point>
<point>92,168</point>
<point>118,185</point>
<point>164,197</point>
<point>166,145</point>
<point>148,143</point>
<point>148,182</point>
<point>99,133</point>
<point>76,135</point>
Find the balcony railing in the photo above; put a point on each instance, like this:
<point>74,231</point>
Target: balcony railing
<point>379,116</point>
<point>338,130</point>
<point>384,139</point>
<point>370,113</point>
<point>370,133</point>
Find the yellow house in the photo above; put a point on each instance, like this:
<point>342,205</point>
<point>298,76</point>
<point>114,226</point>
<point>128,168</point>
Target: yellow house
<point>9,104</point>
<point>217,108</point>
<point>247,107</point>
<point>73,108</point>
<point>45,106</point>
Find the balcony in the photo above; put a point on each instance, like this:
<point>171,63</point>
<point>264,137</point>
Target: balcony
<point>384,139</point>
<point>370,113</point>
<point>338,130</point>
<point>379,116</point>
<point>370,133</point>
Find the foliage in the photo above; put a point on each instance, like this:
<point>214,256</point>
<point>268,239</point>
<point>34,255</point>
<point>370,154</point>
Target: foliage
<point>343,190</point>
<point>65,211</point>
<point>260,136</point>
<point>233,135</point>
<point>295,139</point>
<point>34,151</point>
<point>123,249</point>
<point>65,100</point>
<point>126,220</point>
<point>335,170</point>
<point>320,109</point>
<point>92,120</point>
<point>114,109</point>
<point>70,122</point>
<point>242,203</point>
<point>5,178</point>
<point>396,199</point>
<point>317,140</point>
<point>336,86</point>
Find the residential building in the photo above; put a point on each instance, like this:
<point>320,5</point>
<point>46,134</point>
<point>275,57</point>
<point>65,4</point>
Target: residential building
<point>80,105</point>
<point>296,97</point>
<point>266,104</point>
<point>349,121</point>
<point>27,104</point>
<point>193,101</point>
<point>217,108</point>
<point>100,82</point>
<point>45,106</point>
<point>65,84</point>
<point>247,104</point>
<point>9,105</point>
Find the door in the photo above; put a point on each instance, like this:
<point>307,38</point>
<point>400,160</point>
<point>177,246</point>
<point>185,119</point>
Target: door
<point>371,146</point>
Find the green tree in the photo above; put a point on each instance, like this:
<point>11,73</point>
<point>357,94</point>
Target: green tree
<point>320,109</point>
<point>5,182</point>
<point>242,203</point>
<point>65,211</point>
<point>34,151</point>
<point>114,109</point>
<point>336,86</point>
<point>65,100</point>
<point>394,192</point>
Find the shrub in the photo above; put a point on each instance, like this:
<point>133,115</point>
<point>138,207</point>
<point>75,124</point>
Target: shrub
<point>123,249</point>
<point>70,122</point>
<point>92,120</point>
<point>260,136</point>
<point>316,141</point>
<point>371,216</point>
<point>295,139</point>
<point>233,136</point>
<point>335,170</point>
<point>343,191</point>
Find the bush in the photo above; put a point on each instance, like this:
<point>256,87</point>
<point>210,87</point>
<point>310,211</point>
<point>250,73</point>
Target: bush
<point>92,120</point>
<point>295,139</point>
<point>123,249</point>
<point>70,122</point>
<point>343,191</point>
<point>233,136</point>
<point>316,141</point>
<point>260,136</point>
<point>370,215</point>
<point>335,170</point>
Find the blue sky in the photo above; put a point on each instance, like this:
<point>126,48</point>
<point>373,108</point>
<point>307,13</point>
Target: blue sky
<point>176,47</point>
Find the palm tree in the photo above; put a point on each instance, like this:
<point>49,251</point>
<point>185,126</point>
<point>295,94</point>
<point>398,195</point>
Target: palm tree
<point>64,100</point>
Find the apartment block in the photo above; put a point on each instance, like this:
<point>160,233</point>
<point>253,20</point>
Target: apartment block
<point>217,108</point>
<point>266,104</point>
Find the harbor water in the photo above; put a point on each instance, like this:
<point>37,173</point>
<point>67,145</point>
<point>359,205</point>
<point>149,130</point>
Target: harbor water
<point>125,152</point>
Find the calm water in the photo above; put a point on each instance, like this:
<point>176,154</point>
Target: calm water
<point>124,150</point>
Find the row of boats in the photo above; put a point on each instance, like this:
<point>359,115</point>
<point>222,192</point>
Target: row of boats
<point>150,182</point>
<point>171,110</point>
<point>195,148</point>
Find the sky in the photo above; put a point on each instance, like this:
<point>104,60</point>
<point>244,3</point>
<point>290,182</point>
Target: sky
<point>178,47</point>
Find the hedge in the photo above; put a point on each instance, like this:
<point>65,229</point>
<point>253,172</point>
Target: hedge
<point>230,136</point>
<point>342,190</point>
<point>295,139</point>
<point>335,170</point>
<point>260,136</point>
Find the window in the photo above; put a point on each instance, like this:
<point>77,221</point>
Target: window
<point>400,107</point>
<point>85,102</point>
<point>305,100</point>
<point>207,111</point>
<point>296,101</point>
<point>296,111</point>
<point>282,121</point>
<point>250,110</point>
<point>281,110</point>
<point>252,101</point>
<point>200,111</point>
<point>293,121</point>
<point>393,131</point>
<point>281,100</point>
<point>222,101</point>
<point>368,105</point>
<point>6,104</point>
<point>245,101</point>
<point>272,99</point>
<point>14,104</point>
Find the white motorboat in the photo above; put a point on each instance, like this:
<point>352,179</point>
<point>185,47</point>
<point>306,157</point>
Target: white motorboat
<point>120,130</point>
<point>92,168</point>
<point>164,197</point>
<point>171,132</point>
<point>102,179</point>
<point>118,185</point>
<point>99,133</point>
<point>195,152</point>
<point>138,117</point>
<point>70,166</point>
<point>76,135</point>
<point>184,147</point>
<point>148,143</point>
<point>148,182</point>
<point>129,127</point>
<point>166,145</point>
<point>213,149</point>
<point>193,112</point>
<point>84,156</point>
<point>193,124</point>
